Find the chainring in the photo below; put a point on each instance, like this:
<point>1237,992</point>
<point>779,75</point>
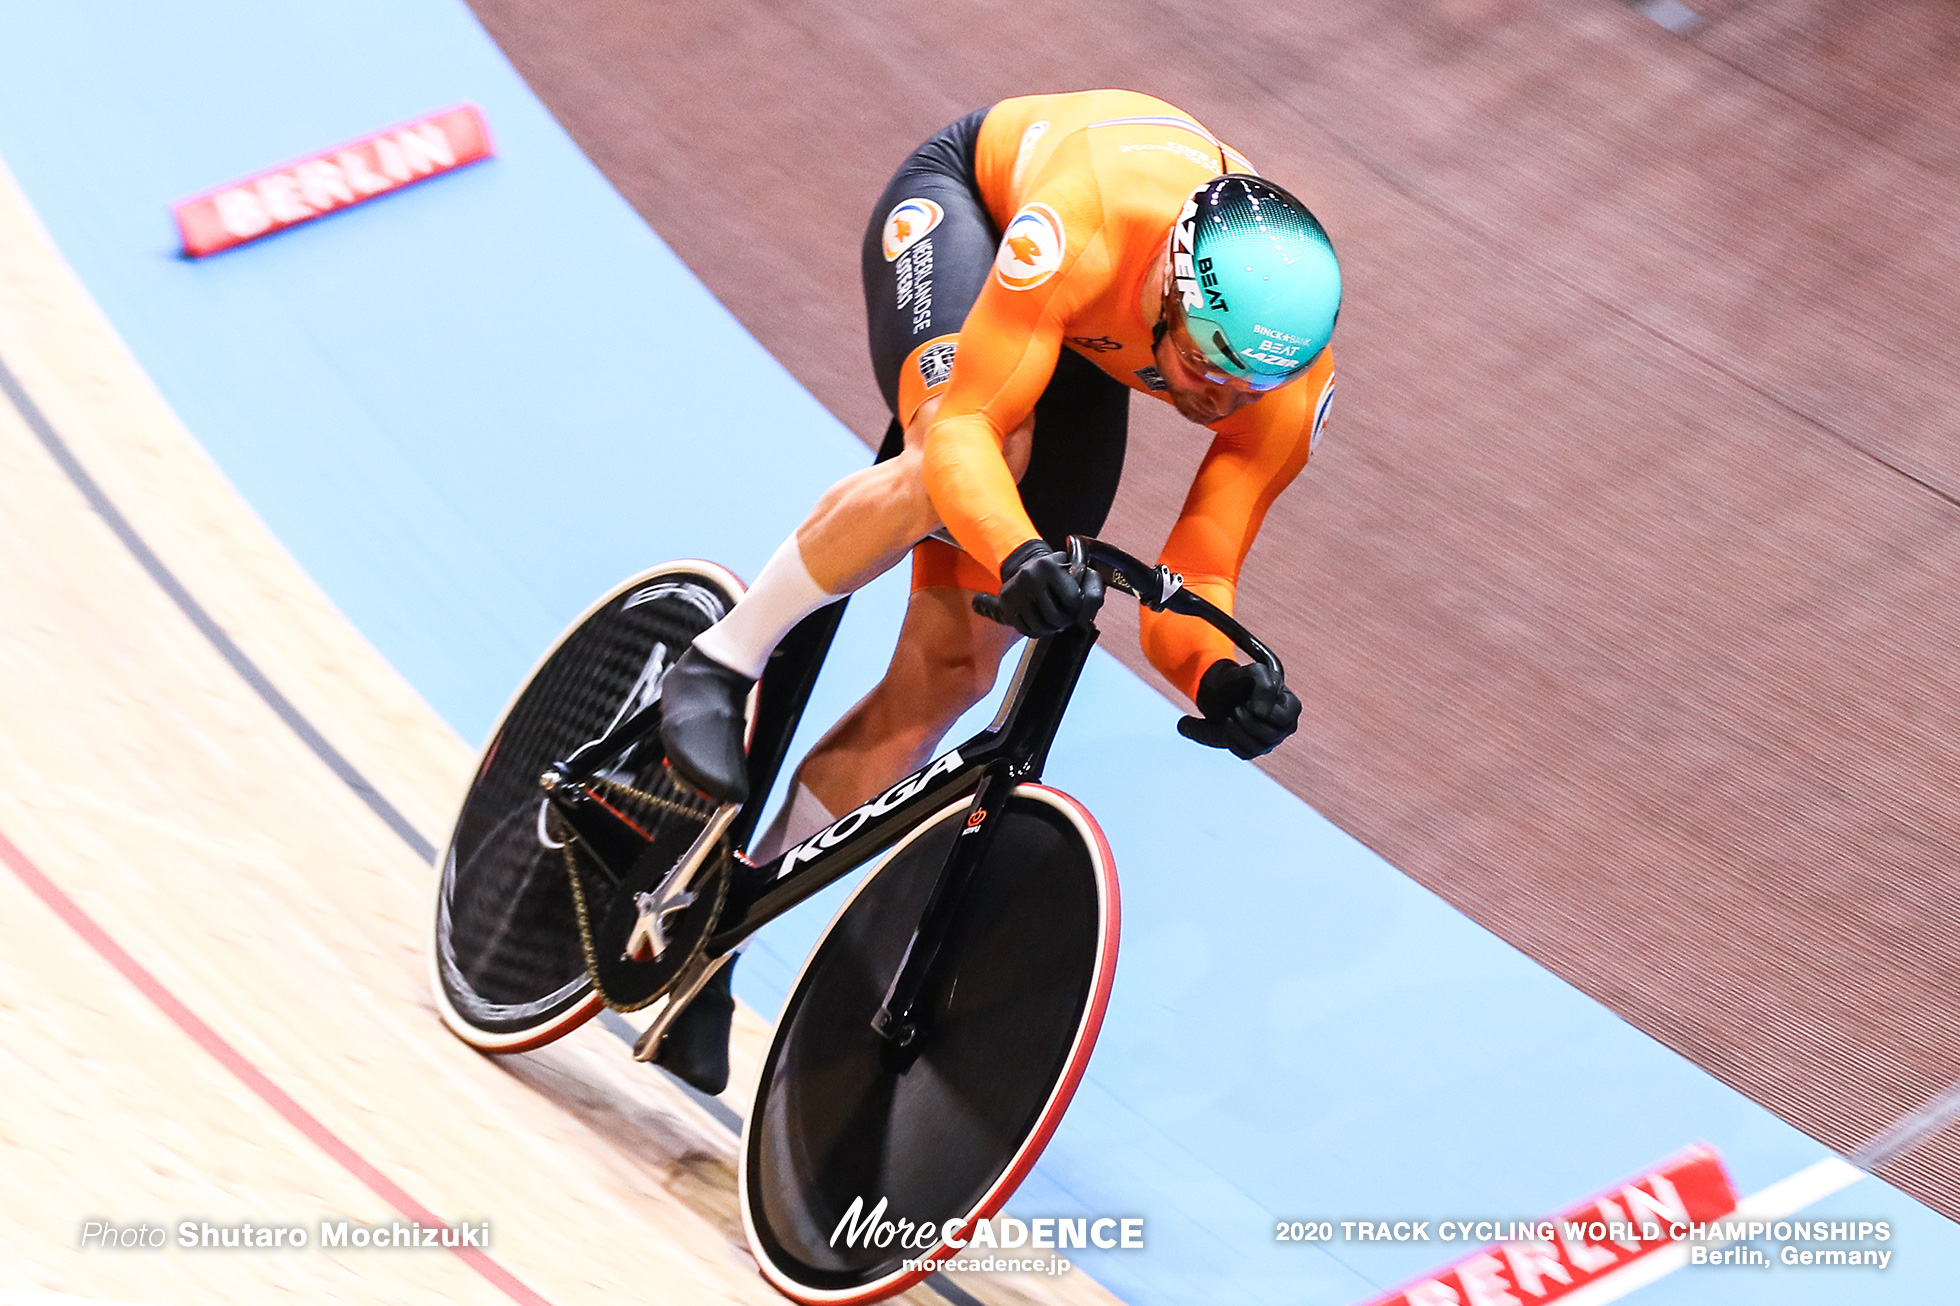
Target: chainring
<point>626,984</point>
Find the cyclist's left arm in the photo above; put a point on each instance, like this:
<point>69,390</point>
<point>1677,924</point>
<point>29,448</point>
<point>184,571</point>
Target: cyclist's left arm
<point>1254,455</point>
<point>1008,348</point>
<point>1004,362</point>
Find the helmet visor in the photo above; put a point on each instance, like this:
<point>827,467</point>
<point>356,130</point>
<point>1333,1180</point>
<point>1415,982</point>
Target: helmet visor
<point>1203,350</point>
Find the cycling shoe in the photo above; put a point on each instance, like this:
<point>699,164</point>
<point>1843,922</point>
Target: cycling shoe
<point>703,718</point>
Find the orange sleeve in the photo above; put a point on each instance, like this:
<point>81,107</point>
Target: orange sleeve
<point>1009,344</point>
<point>966,476</point>
<point>1254,455</point>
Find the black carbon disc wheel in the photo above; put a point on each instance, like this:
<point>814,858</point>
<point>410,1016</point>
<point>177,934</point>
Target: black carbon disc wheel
<point>509,966</point>
<point>949,1136</point>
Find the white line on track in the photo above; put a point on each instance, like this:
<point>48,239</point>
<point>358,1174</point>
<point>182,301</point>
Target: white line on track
<point>1786,1197</point>
<point>1910,1130</point>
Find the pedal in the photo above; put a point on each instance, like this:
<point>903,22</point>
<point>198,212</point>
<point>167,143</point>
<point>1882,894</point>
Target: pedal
<point>648,938</point>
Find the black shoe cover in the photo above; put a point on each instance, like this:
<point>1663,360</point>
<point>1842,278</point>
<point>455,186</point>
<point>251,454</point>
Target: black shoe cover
<point>702,720</point>
<point>696,1046</point>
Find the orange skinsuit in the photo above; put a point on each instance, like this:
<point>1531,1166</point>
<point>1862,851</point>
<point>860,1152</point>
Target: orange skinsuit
<point>1109,171</point>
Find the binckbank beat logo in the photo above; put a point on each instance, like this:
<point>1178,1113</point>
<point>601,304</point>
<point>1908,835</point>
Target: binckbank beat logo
<point>872,1229</point>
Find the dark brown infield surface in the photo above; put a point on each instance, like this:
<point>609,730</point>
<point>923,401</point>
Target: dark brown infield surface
<point>1622,594</point>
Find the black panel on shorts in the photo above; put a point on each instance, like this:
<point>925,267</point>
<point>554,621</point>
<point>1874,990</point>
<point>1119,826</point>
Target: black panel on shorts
<point>1081,422</point>
<point>949,265</point>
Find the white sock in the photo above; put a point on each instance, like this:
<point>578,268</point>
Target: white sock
<point>782,595</point>
<point>796,820</point>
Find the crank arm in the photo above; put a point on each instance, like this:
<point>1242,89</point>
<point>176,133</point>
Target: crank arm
<point>675,890</point>
<point>692,979</point>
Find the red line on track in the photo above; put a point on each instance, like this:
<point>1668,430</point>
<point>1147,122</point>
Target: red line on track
<point>248,1074</point>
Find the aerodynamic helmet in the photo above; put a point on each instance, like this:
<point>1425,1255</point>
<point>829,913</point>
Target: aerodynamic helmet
<point>1252,289</point>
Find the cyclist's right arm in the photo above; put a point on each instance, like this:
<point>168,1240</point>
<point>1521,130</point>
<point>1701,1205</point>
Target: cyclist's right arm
<point>1255,454</point>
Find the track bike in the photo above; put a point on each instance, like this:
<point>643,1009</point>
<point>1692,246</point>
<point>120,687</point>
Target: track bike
<point>938,1030</point>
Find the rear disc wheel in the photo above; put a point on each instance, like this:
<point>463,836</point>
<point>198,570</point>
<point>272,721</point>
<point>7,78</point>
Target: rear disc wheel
<point>508,963</point>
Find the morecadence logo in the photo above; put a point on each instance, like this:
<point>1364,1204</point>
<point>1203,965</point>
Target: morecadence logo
<point>874,1229</point>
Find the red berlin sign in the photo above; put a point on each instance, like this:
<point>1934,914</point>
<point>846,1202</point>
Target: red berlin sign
<point>334,179</point>
<point>1629,1221</point>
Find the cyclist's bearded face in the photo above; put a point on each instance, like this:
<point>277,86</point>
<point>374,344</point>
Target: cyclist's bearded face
<point>1196,398</point>
<point>1199,393</point>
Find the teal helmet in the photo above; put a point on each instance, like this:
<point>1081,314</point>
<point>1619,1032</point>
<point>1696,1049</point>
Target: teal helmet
<point>1254,287</point>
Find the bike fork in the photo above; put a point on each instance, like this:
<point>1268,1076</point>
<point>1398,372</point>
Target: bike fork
<point>1029,723</point>
<point>901,1019</point>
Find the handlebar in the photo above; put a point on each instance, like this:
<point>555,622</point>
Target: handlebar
<point>1156,587</point>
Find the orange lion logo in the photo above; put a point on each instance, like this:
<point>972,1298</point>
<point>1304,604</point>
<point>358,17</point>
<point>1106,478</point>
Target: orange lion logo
<point>1031,248</point>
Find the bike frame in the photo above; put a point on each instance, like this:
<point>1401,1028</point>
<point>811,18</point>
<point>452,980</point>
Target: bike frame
<point>1012,750</point>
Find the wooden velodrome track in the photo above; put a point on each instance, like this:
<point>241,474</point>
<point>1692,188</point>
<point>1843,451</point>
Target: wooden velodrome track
<point>213,1005</point>
<point>1623,593</point>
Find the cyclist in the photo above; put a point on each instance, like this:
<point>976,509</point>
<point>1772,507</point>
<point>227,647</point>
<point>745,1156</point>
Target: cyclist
<point>1025,269</point>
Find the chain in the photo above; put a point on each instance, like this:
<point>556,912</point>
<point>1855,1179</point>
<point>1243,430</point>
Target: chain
<point>693,811</point>
<point>584,921</point>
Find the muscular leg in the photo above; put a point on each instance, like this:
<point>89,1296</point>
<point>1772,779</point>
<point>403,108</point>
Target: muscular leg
<point>858,530</point>
<point>867,522</point>
<point>946,660</point>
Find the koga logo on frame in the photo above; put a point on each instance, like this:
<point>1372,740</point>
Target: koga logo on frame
<point>852,821</point>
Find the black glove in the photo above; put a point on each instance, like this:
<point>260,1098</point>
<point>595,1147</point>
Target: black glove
<point>1247,709</point>
<point>1038,596</point>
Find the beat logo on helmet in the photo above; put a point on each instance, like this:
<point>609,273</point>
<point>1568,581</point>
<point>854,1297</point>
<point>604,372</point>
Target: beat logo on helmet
<point>1277,348</point>
<point>907,224</point>
<point>1030,249</point>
